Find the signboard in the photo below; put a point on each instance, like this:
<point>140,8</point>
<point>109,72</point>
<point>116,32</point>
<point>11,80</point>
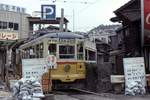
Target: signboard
<point>51,61</point>
<point>145,16</point>
<point>63,41</point>
<point>8,35</point>
<point>48,12</point>
<point>5,7</point>
<point>33,68</point>
<point>67,41</point>
<point>134,70</point>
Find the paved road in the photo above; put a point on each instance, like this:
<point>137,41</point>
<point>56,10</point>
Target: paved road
<point>93,97</point>
<point>80,97</point>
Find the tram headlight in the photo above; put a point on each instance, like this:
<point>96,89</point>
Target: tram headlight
<point>67,68</point>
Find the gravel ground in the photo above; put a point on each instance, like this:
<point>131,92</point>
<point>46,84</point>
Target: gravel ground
<point>105,96</point>
<point>5,95</point>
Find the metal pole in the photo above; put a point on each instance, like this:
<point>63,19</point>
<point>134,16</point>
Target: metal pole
<point>7,64</point>
<point>62,20</point>
<point>73,20</point>
<point>142,26</point>
<point>49,80</point>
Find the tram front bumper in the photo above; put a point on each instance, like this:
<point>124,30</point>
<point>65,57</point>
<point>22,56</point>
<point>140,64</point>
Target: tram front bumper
<point>68,78</point>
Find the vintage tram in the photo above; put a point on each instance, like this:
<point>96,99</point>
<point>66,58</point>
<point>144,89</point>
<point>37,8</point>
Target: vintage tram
<point>71,50</point>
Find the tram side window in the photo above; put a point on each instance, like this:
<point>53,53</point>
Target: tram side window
<point>52,49</point>
<point>32,52</point>
<point>86,54</point>
<point>66,52</point>
<point>80,51</point>
<point>27,53</point>
<point>24,54</point>
<point>41,50</point>
<point>90,55</point>
<point>37,51</point>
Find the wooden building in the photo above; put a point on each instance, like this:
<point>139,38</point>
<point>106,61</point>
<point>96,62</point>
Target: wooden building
<point>129,15</point>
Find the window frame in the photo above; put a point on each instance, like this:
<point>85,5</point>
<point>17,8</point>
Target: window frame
<point>66,55</point>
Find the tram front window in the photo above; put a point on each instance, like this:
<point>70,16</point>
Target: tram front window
<point>52,49</point>
<point>66,52</point>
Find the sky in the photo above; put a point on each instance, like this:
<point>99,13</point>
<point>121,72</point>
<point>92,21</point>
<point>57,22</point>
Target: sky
<point>83,15</point>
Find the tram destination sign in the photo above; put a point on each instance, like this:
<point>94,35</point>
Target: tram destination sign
<point>67,41</point>
<point>62,41</point>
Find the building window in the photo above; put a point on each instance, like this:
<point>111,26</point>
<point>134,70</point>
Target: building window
<point>4,25</point>
<point>16,26</point>
<point>2,7</point>
<point>13,8</point>
<point>23,10</point>
<point>0,24</point>
<point>106,58</point>
<point>18,9</point>
<point>10,25</point>
<point>7,8</point>
<point>127,33</point>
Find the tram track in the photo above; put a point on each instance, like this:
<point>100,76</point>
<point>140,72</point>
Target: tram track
<point>75,93</point>
<point>71,91</point>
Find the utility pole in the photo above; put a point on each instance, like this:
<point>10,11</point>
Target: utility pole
<point>73,20</point>
<point>61,20</point>
<point>7,64</point>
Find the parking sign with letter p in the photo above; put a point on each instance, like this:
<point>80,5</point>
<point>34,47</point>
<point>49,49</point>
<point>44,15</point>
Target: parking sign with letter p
<point>48,12</point>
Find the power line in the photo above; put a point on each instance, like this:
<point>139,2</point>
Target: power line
<point>88,6</point>
<point>75,2</point>
<point>66,1</point>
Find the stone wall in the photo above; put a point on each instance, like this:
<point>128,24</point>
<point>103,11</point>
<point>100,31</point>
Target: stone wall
<point>98,77</point>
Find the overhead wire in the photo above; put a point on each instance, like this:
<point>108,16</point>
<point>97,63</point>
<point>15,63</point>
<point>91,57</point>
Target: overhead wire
<point>88,6</point>
<point>66,1</point>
